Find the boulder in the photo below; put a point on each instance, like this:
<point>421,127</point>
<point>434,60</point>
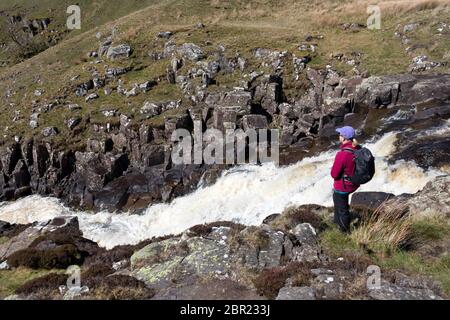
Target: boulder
<point>261,248</point>
<point>91,97</point>
<point>24,239</point>
<point>369,201</point>
<point>150,109</point>
<point>191,52</point>
<point>161,263</point>
<point>82,89</point>
<point>117,71</point>
<point>49,131</point>
<point>304,246</point>
<point>104,46</point>
<point>433,199</point>
<point>122,51</point>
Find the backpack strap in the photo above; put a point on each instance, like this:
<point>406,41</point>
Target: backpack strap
<point>344,176</point>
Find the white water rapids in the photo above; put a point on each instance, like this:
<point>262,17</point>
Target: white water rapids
<point>245,194</point>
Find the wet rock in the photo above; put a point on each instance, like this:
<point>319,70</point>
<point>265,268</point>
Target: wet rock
<point>376,92</point>
<point>336,107</point>
<point>427,152</point>
<point>296,293</point>
<point>122,51</point>
<point>153,155</point>
<point>91,167</point>
<point>369,201</point>
<point>113,196</point>
<point>4,227</point>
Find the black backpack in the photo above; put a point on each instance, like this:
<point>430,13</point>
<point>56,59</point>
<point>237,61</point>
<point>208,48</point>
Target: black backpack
<point>364,166</point>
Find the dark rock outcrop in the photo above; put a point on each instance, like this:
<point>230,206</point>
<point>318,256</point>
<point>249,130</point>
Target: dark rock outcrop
<point>369,201</point>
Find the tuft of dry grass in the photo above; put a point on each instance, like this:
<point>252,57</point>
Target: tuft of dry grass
<point>388,228</point>
<point>269,282</point>
<point>294,215</point>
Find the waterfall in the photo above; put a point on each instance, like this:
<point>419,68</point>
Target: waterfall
<point>245,194</point>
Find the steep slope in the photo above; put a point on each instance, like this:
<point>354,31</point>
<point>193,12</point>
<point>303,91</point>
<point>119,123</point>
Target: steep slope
<point>240,27</point>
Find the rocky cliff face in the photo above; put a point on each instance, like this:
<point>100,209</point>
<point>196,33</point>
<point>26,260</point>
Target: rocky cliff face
<point>128,166</point>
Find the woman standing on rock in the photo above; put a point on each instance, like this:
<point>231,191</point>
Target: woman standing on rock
<point>343,168</point>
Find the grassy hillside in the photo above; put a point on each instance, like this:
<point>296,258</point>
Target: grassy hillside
<point>240,26</point>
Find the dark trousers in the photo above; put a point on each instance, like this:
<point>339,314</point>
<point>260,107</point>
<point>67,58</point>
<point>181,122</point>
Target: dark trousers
<point>341,211</point>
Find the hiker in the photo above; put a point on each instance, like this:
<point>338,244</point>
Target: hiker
<point>352,167</point>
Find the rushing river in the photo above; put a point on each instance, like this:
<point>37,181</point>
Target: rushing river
<point>245,194</point>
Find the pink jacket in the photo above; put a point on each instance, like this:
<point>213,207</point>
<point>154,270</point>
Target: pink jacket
<point>344,164</point>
